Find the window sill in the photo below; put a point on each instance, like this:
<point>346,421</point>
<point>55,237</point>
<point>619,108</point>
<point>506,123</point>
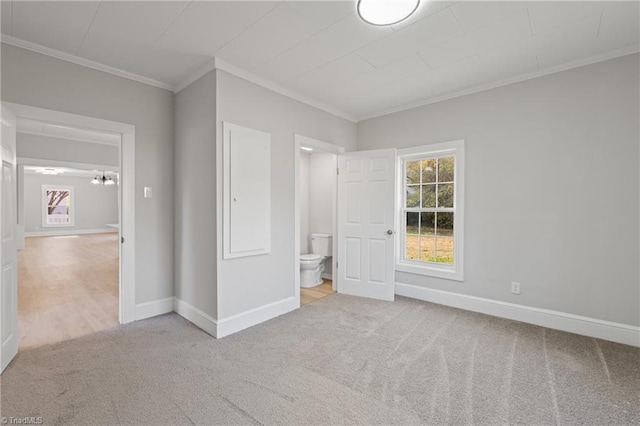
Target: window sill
<point>430,271</point>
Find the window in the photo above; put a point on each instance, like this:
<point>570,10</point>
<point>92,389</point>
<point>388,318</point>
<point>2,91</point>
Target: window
<point>431,210</point>
<point>57,206</point>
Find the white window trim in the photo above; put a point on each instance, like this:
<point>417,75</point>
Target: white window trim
<point>455,272</point>
<point>43,196</point>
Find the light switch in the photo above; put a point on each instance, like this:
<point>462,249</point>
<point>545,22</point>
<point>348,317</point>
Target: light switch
<point>148,192</point>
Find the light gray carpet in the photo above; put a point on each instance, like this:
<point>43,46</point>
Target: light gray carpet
<point>339,360</point>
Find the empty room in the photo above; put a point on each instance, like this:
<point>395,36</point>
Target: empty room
<point>67,218</point>
<point>320,212</point>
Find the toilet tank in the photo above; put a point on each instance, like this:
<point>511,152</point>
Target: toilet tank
<point>322,244</point>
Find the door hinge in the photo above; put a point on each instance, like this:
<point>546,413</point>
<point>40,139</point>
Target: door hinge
<point>336,265</point>
<point>122,240</point>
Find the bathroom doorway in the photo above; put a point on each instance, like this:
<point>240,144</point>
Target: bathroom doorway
<point>316,196</point>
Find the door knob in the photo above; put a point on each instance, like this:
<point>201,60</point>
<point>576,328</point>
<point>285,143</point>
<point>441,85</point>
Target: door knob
<point>389,232</point>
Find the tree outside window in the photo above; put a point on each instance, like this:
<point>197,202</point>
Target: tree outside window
<point>429,210</point>
<point>57,206</point>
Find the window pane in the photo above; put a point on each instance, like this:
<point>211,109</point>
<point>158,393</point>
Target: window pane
<point>413,196</point>
<point>444,241</point>
<point>58,202</point>
<point>58,206</point>
<point>411,247</point>
<point>428,171</point>
<point>412,223</point>
<point>445,169</point>
<point>428,195</point>
<point>445,250</point>
<point>413,172</point>
<point>427,248</point>
<point>427,223</point>
<point>445,223</point>
<point>445,195</point>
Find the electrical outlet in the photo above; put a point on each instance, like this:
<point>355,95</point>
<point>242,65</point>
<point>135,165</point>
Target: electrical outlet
<point>515,288</point>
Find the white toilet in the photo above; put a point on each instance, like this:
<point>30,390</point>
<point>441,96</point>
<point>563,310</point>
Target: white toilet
<point>312,265</point>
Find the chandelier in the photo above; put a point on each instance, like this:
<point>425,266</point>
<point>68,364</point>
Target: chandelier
<point>103,180</point>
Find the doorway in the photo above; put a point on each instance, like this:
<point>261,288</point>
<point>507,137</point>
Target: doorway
<point>315,217</point>
<point>124,235</point>
<point>364,220</point>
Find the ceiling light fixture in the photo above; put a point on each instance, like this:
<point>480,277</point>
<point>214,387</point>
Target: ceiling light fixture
<point>386,12</point>
<point>306,149</point>
<point>103,180</point>
<point>48,171</point>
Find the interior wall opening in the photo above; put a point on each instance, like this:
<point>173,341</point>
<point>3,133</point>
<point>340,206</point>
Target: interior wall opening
<point>317,212</point>
<point>69,201</point>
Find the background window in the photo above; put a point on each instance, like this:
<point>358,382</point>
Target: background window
<point>57,202</point>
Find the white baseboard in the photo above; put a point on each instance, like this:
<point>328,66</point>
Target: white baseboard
<point>196,316</point>
<point>59,232</point>
<point>235,323</point>
<point>153,308</point>
<point>606,330</point>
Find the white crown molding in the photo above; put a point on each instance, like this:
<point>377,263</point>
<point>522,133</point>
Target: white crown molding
<point>12,41</point>
<point>529,76</point>
<point>203,69</point>
<point>219,64</point>
<point>214,63</point>
<point>238,72</point>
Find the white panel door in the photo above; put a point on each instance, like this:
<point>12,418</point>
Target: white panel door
<point>366,203</point>
<point>9,274</point>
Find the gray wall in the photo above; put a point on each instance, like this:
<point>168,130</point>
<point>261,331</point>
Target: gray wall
<point>322,192</point>
<point>552,187</point>
<point>249,282</point>
<point>33,79</point>
<point>195,186</point>
<point>94,205</point>
<point>317,195</point>
<point>322,197</point>
<point>48,148</point>
<point>304,203</point>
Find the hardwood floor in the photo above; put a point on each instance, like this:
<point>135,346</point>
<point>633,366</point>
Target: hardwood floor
<point>308,295</point>
<point>67,287</point>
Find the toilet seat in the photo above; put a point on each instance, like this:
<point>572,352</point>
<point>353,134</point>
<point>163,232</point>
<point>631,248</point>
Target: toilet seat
<point>310,257</point>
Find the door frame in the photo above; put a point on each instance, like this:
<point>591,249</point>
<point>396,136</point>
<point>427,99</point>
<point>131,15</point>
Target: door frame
<point>300,141</point>
<point>126,211</point>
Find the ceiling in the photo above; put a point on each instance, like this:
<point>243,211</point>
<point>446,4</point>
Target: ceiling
<point>323,51</point>
<point>54,130</point>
